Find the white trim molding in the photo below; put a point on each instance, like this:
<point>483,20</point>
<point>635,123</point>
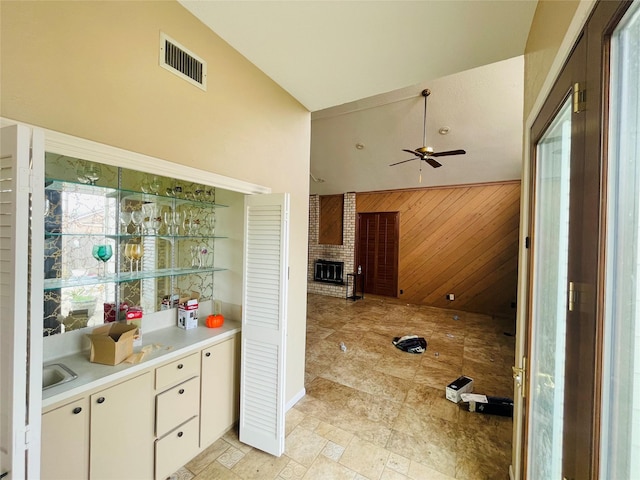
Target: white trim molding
<point>64,144</point>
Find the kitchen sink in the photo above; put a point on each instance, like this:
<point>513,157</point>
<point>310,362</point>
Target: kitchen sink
<point>56,374</point>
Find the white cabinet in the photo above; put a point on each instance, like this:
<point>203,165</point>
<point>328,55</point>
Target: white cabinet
<point>220,390</point>
<point>147,425</point>
<point>122,430</point>
<point>65,442</point>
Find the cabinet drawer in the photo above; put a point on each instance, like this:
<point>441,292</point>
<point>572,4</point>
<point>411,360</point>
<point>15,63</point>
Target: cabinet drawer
<point>178,371</point>
<point>177,405</point>
<point>176,448</point>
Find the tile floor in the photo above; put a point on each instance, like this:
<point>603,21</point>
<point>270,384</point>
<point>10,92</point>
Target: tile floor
<point>374,412</point>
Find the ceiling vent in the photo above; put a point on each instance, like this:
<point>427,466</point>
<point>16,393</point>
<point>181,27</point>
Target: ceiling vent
<point>180,61</point>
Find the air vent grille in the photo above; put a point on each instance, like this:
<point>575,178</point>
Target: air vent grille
<point>180,61</point>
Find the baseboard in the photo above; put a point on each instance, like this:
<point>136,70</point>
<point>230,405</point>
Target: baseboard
<point>511,477</point>
<point>296,398</point>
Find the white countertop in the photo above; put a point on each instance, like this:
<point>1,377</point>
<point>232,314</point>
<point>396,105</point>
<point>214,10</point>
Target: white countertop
<point>173,342</point>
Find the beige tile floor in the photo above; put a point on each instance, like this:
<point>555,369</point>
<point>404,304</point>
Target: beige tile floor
<point>374,412</point>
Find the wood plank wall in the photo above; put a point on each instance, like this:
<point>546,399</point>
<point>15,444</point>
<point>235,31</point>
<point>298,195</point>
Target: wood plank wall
<point>461,240</point>
<point>331,207</point>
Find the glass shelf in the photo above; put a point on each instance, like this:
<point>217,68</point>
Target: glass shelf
<point>98,190</point>
<point>128,236</point>
<point>178,256</point>
<point>56,283</point>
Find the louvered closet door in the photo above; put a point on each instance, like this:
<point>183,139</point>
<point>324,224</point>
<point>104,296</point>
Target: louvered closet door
<point>264,322</point>
<point>378,241</point>
<point>20,301</point>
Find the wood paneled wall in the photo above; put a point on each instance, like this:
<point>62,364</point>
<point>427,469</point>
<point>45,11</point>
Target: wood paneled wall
<point>461,240</point>
<point>331,207</point>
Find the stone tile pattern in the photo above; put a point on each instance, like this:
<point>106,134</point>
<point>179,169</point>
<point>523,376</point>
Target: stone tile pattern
<point>376,413</point>
<point>340,253</point>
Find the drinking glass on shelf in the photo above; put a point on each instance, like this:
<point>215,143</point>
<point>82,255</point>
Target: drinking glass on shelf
<point>172,219</point>
<point>134,250</point>
<point>137,216</point>
<point>137,250</point>
<point>92,172</point>
<point>128,249</point>
<point>102,253</point>
<point>125,220</point>
<point>210,224</point>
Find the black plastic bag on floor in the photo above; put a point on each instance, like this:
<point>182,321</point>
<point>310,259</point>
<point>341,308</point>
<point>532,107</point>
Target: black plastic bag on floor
<point>410,343</point>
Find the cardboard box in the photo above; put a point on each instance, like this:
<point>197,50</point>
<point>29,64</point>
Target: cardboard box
<point>460,385</point>
<point>112,343</point>
<point>170,301</point>
<point>187,318</point>
<point>188,312</point>
<point>134,317</point>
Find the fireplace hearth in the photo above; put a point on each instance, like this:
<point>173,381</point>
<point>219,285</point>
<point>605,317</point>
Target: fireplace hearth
<point>329,271</point>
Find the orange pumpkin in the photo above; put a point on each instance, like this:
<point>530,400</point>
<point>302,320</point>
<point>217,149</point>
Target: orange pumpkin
<point>215,321</point>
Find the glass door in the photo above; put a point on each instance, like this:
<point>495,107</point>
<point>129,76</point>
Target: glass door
<point>620,450</point>
<point>548,306</point>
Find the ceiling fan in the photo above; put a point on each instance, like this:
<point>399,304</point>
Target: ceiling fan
<point>426,153</point>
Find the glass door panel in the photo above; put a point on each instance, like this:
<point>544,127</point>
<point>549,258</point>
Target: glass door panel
<point>548,306</point>
<point>620,452</point>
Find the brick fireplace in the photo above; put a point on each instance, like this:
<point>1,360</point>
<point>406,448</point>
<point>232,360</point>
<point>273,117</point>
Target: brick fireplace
<point>334,254</point>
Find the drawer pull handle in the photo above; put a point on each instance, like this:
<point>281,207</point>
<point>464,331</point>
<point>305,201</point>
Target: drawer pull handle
<point>208,354</point>
<point>181,391</point>
<point>180,366</point>
<point>180,434</point>
<point>101,400</point>
<point>77,410</point>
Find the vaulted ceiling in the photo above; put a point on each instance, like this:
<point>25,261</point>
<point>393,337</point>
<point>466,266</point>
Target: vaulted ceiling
<point>360,66</point>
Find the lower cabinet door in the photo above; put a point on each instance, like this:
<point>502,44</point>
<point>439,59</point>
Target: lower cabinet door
<point>220,389</point>
<point>65,445</point>
<point>176,448</point>
<point>122,430</point>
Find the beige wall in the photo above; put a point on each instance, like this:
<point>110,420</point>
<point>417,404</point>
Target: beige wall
<point>90,69</point>
<point>550,24</point>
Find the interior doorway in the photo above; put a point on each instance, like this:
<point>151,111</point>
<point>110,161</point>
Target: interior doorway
<point>378,237</point>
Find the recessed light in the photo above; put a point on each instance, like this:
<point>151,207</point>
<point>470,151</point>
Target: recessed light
<point>444,130</point>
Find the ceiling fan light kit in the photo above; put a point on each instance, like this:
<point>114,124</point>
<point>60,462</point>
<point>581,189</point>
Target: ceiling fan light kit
<point>426,153</point>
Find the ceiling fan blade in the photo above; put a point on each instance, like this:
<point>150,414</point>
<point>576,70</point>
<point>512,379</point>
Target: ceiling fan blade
<point>404,161</point>
<point>450,152</point>
<point>432,162</point>
<point>412,152</point>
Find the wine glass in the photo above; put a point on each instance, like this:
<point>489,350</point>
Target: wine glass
<point>102,253</point>
<point>128,249</point>
<point>125,220</point>
<point>137,217</point>
<point>137,250</point>
<point>92,172</point>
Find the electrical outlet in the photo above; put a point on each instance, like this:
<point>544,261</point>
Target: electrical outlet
<point>450,296</point>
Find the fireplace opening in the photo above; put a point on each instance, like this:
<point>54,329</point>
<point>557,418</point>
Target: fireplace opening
<point>329,271</point>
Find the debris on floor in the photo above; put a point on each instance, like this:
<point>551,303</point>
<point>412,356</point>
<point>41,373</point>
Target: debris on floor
<point>459,386</point>
<point>489,405</point>
<point>410,343</point>
<point>343,347</point>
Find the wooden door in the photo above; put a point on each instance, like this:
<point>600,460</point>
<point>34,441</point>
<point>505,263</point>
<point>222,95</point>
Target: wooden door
<point>377,252</point>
